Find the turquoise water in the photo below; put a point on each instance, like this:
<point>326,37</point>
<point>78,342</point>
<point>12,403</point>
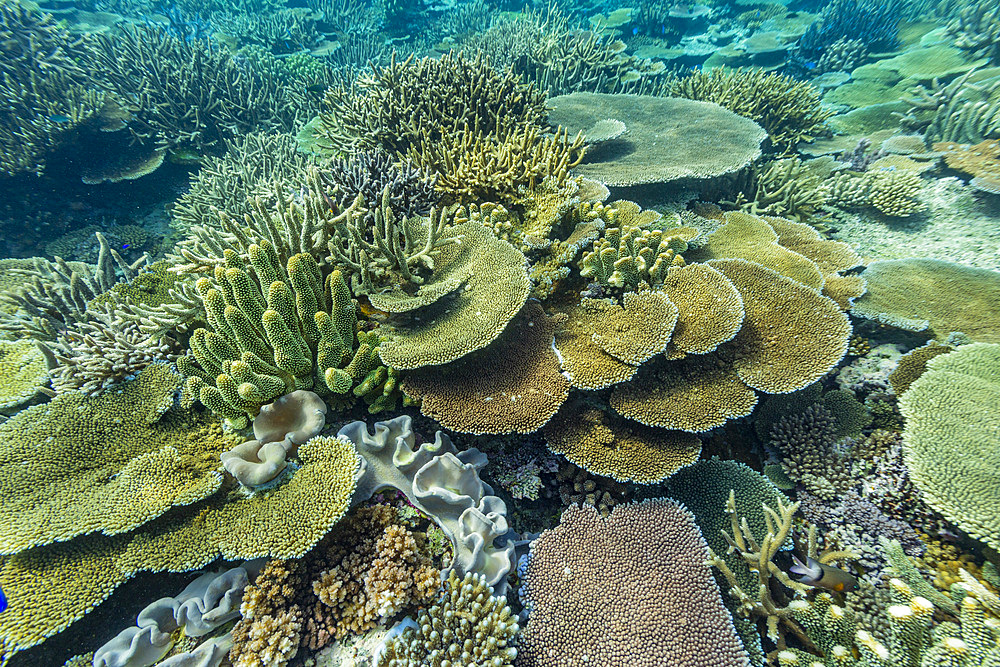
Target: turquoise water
<point>479,333</point>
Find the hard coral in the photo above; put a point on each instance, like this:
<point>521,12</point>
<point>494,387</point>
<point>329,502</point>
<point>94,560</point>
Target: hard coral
<point>666,138</point>
<point>467,625</point>
<point>23,373</point>
<point>787,109</point>
<point>632,589</point>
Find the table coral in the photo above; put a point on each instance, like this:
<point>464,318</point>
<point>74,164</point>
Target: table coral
<point>23,373</point>
<point>607,445</point>
<point>514,385</point>
<point>591,598</point>
<point>467,624</point>
<point>486,285</point>
<point>666,138</point>
<point>952,437</point>
<point>932,295</point>
<point>789,110</point>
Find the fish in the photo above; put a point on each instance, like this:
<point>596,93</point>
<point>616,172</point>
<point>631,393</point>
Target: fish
<point>59,118</point>
<point>3,601</point>
<point>814,573</point>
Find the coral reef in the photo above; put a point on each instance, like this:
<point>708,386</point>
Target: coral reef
<point>950,439</point>
<point>466,624</point>
<point>23,373</point>
<point>576,596</point>
<point>787,109</point>
<point>932,295</point>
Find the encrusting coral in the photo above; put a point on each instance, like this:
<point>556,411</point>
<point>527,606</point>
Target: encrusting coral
<point>590,596</point>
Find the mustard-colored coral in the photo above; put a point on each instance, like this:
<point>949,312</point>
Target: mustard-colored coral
<point>23,373</point>
<point>710,309</point>
<point>107,464</point>
<point>488,285</point>
<point>628,256</point>
<point>607,445</point>
<point>791,335</point>
<point>951,441</point>
<point>695,394</point>
<point>913,364</point>
<point>588,366</point>
<point>512,386</point>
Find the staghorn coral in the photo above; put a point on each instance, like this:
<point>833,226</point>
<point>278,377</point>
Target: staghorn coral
<point>976,30</point>
<point>23,374</point>
<point>96,354</point>
<point>253,162</point>
<point>163,76</point>
<point>601,608</point>
<point>787,109</point>
<point>49,92</point>
<point>665,140</point>
<point>477,166</point>
<point>89,568</point>
<point>951,434</point>
<point>964,110</point>
<point>785,187</point>
<point>374,175</point>
<point>513,385</point>
<point>932,295</point>
<point>607,445</point>
<point>466,624</point>
<point>410,104</point>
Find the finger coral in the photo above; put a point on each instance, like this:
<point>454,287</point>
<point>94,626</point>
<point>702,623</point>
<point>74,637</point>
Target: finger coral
<point>467,624</point>
<point>591,598</point>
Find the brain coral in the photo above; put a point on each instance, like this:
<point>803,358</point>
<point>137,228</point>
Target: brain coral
<point>951,441</point>
<point>665,139</point>
<point>514,385</point>
<point>933,295</point>
<point>629,590</point>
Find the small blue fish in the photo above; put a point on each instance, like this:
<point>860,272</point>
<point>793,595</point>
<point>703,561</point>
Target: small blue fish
<point>810,65</point>
<point>59,118</point>
<point>3,601</point>
<point>125,246</point>
<point>635,31</point>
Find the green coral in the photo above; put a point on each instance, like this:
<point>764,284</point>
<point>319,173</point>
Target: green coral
<point>467,624</point>
<point>788,109</point>
<point>951,442</point>
<point>275,329</point>
<point>23,373</point>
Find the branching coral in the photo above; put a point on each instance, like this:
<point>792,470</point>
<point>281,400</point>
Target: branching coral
<point>377,177</point>
<point>412,104</point>
<point>467,624</point>
<point>964,110</point>
<point>788,109</point>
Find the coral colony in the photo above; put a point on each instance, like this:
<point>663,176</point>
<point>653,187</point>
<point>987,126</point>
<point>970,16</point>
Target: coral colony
<point>481,333</point>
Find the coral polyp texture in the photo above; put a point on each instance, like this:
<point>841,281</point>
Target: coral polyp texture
<point>666,139</point>
<point>952,436</point>
<point>591,599</point>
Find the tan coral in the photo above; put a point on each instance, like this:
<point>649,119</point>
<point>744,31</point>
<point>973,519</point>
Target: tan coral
<point>588,366</point>
<point>513,386</point>
<point>749,237</point>
<point>695,394</point>
<point>791,336</point>
<point>23,373</point>
<point>637,330</point>
<point>710,309</point>
<point>607,445</point>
